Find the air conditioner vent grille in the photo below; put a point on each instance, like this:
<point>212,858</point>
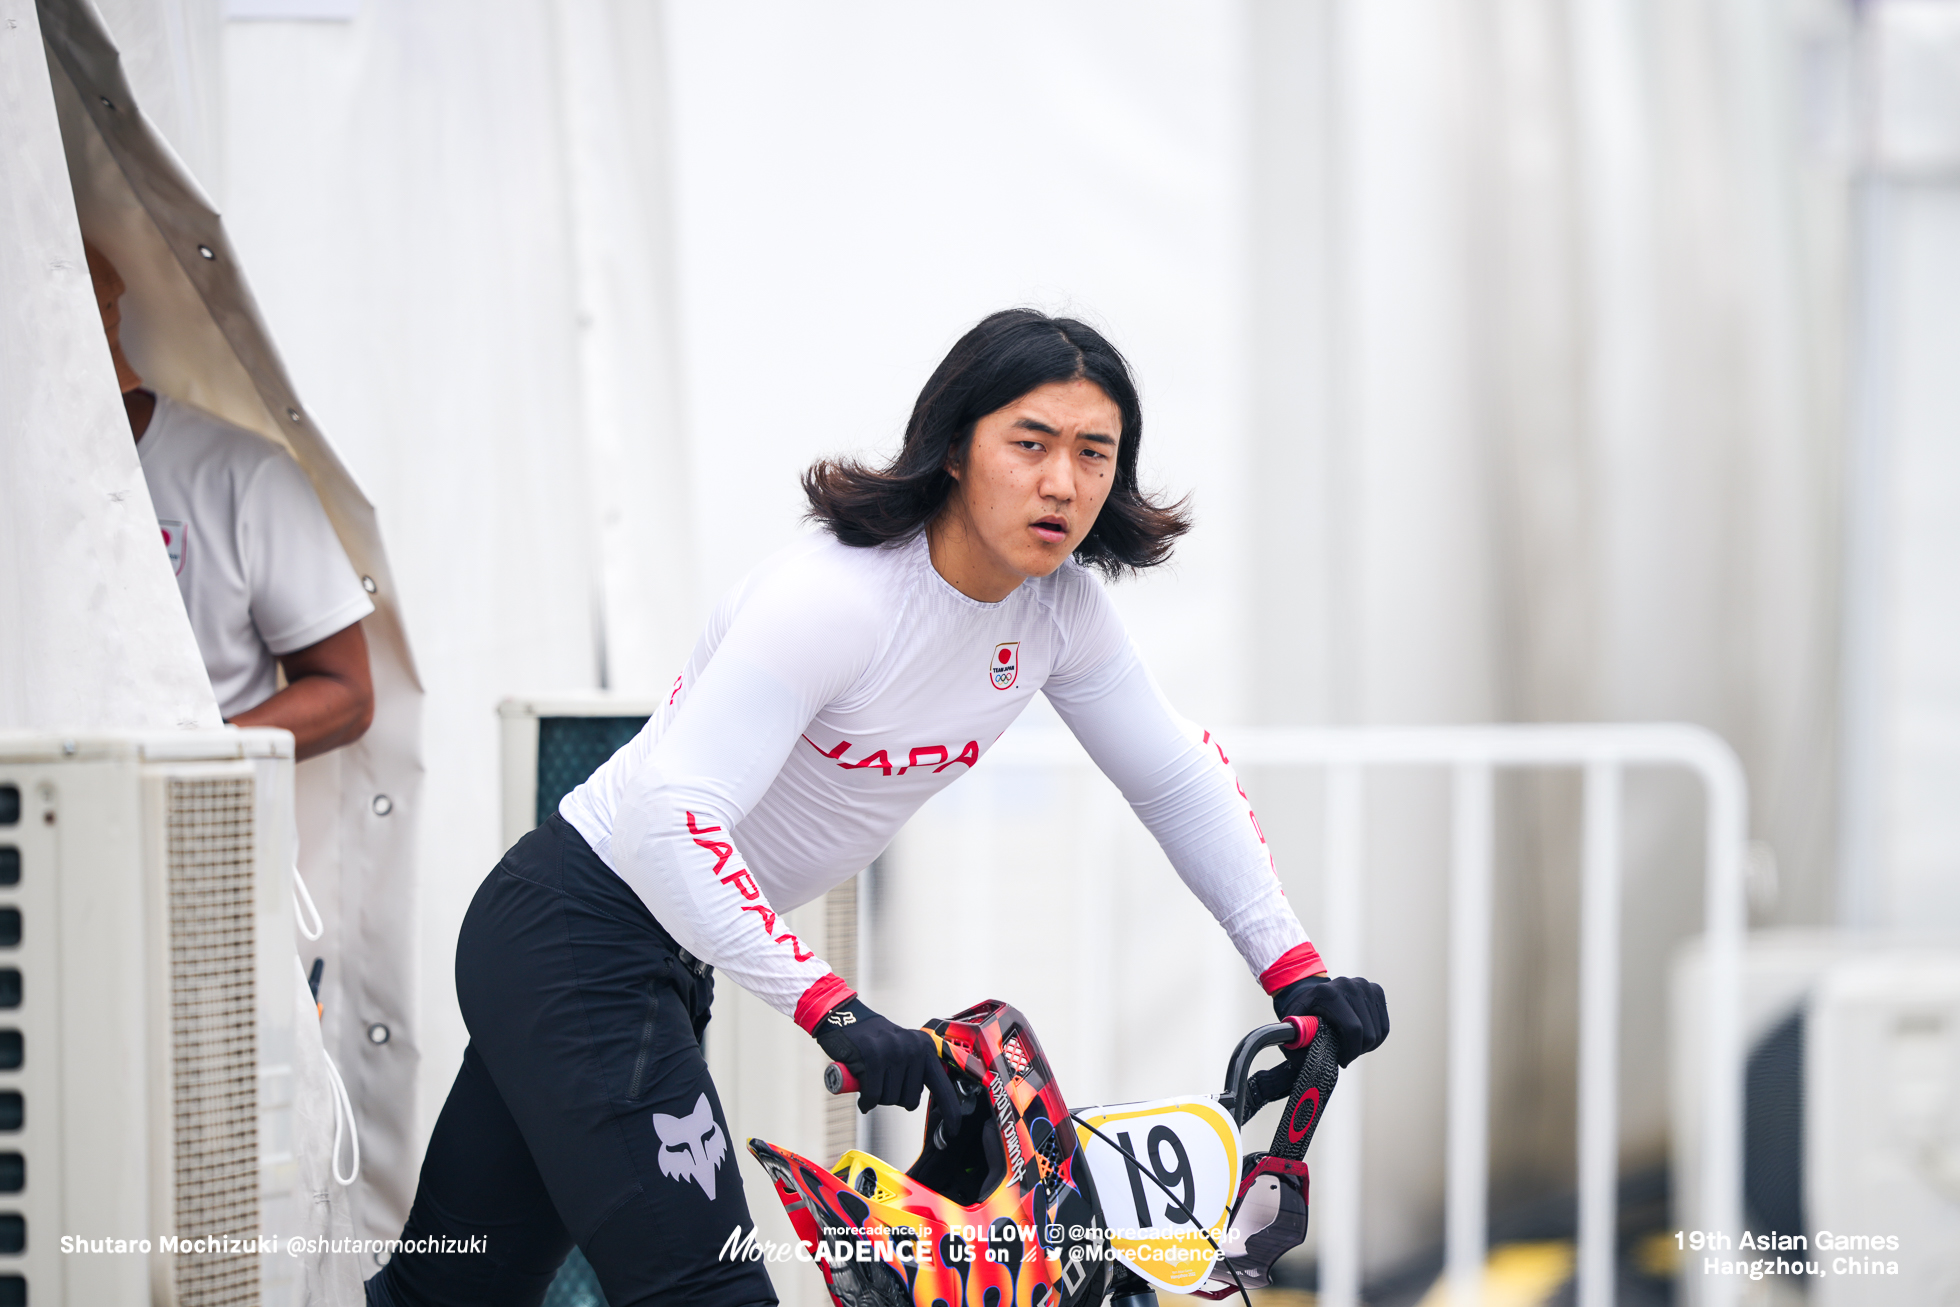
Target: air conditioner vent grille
<point>214,1035</point>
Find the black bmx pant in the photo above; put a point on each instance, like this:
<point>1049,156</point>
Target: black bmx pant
<point>583,1112</point>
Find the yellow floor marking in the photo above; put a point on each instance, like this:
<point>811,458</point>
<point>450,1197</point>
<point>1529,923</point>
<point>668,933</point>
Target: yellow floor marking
<point>1515,1275</point>
<point>1658,1255</point>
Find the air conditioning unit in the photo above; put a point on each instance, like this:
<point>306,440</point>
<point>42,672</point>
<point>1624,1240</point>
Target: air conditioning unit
<point>1882,1129</point>
<point>551,745</point>
<point>1851,1095</point>
<point>146,1018</point>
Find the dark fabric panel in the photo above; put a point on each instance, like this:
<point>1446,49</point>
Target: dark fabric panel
<point>571,749</point>
<point>1772,1147</point>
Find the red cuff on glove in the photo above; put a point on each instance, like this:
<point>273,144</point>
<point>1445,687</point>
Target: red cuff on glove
<point>819,998</point>
<point>1296,963</point>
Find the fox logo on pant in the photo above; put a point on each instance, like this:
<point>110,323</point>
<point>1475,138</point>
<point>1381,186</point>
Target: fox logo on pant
<point>693,1147</point>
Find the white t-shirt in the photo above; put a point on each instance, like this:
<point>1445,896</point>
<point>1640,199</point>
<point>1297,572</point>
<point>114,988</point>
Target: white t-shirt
<point>834,691</point>
<point>260,568</point>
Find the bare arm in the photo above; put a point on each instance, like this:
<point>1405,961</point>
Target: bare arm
<point>329,697</point>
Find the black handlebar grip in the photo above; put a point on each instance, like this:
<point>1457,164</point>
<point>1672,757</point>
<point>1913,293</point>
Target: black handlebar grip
<point>1313,1085</point>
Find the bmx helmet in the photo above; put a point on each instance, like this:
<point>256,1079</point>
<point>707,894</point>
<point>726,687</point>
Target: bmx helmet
<point>999,1208</point>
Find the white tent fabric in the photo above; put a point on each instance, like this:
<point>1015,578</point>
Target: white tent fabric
<point>193,330</point>
<point>459,242</point>
<point>92,632</point>
<point>1900,839</point>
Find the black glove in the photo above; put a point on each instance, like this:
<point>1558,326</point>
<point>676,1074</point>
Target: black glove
<point>890,1062</point>
<point>1355,1008</point>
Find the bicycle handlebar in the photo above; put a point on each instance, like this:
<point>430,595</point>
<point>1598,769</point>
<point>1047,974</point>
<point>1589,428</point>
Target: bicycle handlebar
<point>1313,1083</point>
<point>837,1079</point>
<point>1291,1034</point>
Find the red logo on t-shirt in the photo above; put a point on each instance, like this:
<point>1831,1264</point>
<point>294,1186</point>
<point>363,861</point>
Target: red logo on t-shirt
<point>173,543</point>
<point>1006,666</point>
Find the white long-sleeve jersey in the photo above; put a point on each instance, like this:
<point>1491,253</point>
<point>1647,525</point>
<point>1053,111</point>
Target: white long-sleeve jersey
<point>835,690</point>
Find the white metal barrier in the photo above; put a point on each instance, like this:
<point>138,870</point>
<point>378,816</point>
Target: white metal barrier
<point>1472,753</point>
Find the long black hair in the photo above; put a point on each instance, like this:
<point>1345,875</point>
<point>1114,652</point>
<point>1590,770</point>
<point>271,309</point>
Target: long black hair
<point>1004,357</point>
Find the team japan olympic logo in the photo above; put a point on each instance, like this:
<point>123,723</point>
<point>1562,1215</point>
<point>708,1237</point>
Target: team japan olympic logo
<point>1005,668</point>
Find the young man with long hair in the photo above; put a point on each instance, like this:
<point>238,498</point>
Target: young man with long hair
<point>841,684</point>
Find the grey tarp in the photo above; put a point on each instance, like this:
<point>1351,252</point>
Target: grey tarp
<point>193,330</point>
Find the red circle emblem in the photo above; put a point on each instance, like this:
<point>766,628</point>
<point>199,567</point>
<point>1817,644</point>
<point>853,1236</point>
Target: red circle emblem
<point>1006,656</point>
<point>1296,1128</point>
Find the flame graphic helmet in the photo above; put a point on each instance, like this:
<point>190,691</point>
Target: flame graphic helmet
<point>1004,1213</point>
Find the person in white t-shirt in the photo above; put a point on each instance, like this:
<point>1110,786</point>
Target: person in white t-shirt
<point>836,688</point>
<point>263,576</point>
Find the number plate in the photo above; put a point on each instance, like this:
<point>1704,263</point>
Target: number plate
<point>1192,1148</point>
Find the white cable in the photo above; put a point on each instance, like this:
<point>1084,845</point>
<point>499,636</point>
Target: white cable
<point>343,1113</point>
<point>343,1106</point>
<point>303,901</point>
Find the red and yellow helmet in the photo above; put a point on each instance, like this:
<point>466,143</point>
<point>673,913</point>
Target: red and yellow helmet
<point>1002,1213</point>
